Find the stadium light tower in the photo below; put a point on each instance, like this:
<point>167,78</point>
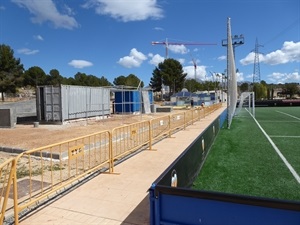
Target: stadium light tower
<point>237,40</point>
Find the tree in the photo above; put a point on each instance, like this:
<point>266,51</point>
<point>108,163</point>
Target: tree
<point>104,82</point>
<point>171,73</point>
<point>54,78</point>
<point>11,71</point>
<point>244,87</point>
<point>156,80</point>
<point>131,80</point>
<point>260,90</point>
<point>88,80</point>
<point>291,89</point>
<point>120,80</point>
<point>192,85</point>
<point>81,79</point>
<point>34,76</point>
<point>209,85</point>
<point>93,81</point>
<point>69,81</point>
<point>270,91</point>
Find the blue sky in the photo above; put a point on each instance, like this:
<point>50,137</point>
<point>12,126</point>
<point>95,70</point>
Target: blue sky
<point>111,38</point>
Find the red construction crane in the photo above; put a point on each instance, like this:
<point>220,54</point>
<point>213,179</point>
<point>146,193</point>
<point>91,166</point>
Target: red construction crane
<point>166,43</point>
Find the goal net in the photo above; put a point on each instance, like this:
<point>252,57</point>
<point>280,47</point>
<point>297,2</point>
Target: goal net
<point>231,78</point>
<point>246,101</point>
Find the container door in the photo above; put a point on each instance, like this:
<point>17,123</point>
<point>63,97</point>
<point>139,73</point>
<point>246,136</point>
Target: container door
<point>52,104</point>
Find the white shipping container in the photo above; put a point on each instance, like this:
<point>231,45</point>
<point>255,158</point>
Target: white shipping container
<point>67,102</point>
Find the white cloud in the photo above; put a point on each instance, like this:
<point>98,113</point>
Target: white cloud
<point>38,37</point>
<point>181,49</point>
<point>200,72</point>
<point>240,77</point>
<point>249,59</point>
<point>135,59</point>
<point>46,10</point>
<point>155,59</point>
<point>127,10</point>
<point>222,58</point>
<point>158,28</point>
<point>282,78</point>
<point>181,60</point>
<point>78,63</point>
<point>290,52</point>
<point>27,51</point>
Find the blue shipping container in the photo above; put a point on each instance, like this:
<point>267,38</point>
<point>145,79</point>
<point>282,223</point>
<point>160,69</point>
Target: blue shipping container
<point>127,101</point>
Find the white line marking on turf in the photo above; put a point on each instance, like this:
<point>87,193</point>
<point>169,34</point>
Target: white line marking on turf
<point>292,170</point>
<point>276,121</point>
<point>289,115</point>
<point>282,136</point>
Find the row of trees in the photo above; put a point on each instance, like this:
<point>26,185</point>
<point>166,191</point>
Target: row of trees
<point>168,73</point>
<point>13,76</point>
<point>263,90</point>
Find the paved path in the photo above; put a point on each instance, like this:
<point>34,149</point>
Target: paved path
<point>119,198</point>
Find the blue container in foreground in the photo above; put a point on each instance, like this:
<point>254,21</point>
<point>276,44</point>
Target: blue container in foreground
<point>184,206</point>
<point>127,101</point>
<point>172,201</point>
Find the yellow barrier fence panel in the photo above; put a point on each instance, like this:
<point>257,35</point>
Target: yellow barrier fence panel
<point>45,171</point>
<point>128,138</point>
<point>6,178</point>
<point>160,127</point>
<point>178,121</point>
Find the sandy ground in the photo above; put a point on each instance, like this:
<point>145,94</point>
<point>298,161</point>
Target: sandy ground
<point>27,136</point>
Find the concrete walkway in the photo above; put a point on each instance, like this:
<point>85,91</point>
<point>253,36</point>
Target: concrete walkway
<point>119,198</point>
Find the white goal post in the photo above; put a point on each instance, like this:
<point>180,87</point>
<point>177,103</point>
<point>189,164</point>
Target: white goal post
<point>246,100</point>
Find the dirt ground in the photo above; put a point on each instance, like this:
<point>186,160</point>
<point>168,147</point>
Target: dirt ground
<point>26,136</point>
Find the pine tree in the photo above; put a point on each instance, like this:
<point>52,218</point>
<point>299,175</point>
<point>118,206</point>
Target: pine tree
<point>11,71</point>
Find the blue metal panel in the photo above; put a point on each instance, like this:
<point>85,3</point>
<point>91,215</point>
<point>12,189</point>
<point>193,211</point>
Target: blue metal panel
<point>178,209</point>
<point>127,101</point>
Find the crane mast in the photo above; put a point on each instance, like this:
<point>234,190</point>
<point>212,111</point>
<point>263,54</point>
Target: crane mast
<point>195,69</point>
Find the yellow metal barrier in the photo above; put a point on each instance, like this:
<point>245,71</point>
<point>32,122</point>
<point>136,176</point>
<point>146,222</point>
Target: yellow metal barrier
<point>160,127</point>
<point>128,138</point>
<point>43,172</point>
<point>178,121</point>
<point>6,178</point>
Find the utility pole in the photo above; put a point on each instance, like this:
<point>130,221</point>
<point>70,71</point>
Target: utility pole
<point>256,68</point>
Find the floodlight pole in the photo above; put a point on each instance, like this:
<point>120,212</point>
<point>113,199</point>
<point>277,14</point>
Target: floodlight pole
<point>237,40</point>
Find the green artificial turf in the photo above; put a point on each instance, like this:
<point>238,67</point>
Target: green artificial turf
<point>242,161</point>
